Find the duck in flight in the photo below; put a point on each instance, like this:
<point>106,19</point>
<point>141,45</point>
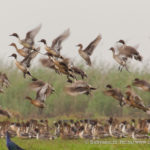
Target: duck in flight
<point>128,51</point>
<point>87,52</point>
<point>54,49</point>
<point>28,42</point>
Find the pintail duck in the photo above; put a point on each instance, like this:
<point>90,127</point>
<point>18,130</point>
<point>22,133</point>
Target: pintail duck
<point>129,51</point>
<point>27,60</point>
<point>36,102</point>
<point>84,135</point>
<point>79,71</point>
<point>4,113</point>
<point>22,52</point>
<point>21,65</point>
<point>141,84</point>
<point>116,94</point>
<point>48,62</point>
<point>79,87</point>
<point>134,135</point>
<point>114,132</point>
<point>4,80</point>
<point>87,52</point>
<point>62,67</point>
<point>134,100</point>
<point>120,60</point>
<point>54,49</point>
<point>43,89</point>
<point>28,42</point>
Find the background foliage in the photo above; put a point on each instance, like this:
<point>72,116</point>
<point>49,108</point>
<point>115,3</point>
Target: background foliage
<point>60,104</point>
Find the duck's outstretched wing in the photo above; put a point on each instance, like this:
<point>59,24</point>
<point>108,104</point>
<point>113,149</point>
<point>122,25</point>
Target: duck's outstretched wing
<point>56,44</point>
<point>31,34</point>
<point>90,48</point>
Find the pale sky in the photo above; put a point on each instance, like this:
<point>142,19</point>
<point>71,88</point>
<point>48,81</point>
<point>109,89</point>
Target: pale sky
<point>113,19</point>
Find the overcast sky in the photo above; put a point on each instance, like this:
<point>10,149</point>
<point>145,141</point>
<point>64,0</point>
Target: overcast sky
<point>113,19</point>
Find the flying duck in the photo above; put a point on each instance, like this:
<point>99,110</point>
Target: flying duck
<point>133,100</point>
<point>22,52</point>
<point>79,87</point>
<point>28,42</point>
<point>21,65</point>
<point>4,81</point>
<point>87,52</point>
<point>43,89</point>
<point>4,113</point>
<point>120,60</point>
<point>129,51</point>
<point>141,84</point>
<point>54,49</point>
<point>36,102</point>
<point>115,93</point>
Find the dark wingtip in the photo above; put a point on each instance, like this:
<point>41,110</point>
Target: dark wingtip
<point>139,58</point>
<point>34,79</point>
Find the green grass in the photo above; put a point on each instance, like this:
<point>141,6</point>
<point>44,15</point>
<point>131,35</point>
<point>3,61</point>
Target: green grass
<point>76,144</point>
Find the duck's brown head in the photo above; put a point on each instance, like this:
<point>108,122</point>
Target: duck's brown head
<point>136,79</point>
<point>121,41</point>
<point>112,49</point>
<point>133,120</point>
<point>80,45</point>
<point>110,121</point>
<point>34,79</point>
<point>13,55</point>
<point>15,35</point>
<point>109,86</point>
<point>29,98</point>
<point>43,41</point>
<point>124,122</point>
<point>128,86</point>
<point>13,44</point>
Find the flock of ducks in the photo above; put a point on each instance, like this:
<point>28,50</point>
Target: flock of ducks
<point>77,129</point>
<point>53,60</point>
<point>64,66</point>
<point>130,98</point>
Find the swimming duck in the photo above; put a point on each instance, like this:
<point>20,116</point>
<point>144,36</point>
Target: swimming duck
<point>28,42</point>
<point>87,52</point>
